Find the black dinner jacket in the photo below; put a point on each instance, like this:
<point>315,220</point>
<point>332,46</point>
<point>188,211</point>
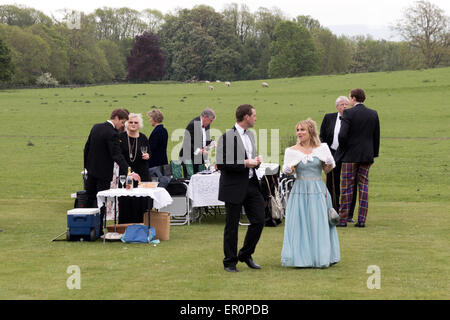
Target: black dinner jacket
<point>193,140</point>
<point>101,150</point>
<point>230,159</point>
<point>327,128</point>
<point>359,137</point>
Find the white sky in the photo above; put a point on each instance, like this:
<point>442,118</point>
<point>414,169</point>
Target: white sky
<point>375,13</point>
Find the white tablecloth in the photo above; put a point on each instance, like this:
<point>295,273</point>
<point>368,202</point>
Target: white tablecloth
<point>161,198</point>
<point>203,190</point>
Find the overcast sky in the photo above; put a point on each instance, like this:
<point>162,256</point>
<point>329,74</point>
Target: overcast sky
<point>367,14</point>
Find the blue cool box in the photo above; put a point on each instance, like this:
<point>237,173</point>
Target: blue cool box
<point>83,222</point>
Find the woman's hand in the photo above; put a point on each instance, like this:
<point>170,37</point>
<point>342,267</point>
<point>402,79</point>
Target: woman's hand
<point>327,167</point>
<point>145,156</point>
<point>288,169</point>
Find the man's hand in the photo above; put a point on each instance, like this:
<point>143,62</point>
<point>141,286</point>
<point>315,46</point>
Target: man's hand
<point>252,163</point>
<point>136,177</point>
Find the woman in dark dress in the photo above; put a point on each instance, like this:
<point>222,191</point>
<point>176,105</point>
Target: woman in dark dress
<point>157,140</point>
<point>131,209</point>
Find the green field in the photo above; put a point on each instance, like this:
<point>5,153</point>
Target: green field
<point>42,142</point>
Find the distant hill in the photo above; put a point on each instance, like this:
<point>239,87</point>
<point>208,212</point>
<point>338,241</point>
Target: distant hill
<point>377,32</point>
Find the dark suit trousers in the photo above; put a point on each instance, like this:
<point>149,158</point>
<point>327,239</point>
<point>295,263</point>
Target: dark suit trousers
<point>254,208</point>
<point>93,186</point>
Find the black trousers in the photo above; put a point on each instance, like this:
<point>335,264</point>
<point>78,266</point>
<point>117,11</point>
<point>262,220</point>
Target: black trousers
<point>334,177</point>
<point>254,208</point>
<point>93,186</point>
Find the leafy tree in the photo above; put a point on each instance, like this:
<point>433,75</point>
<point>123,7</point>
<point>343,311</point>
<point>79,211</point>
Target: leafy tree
<point>242,21</point>
<point>293,51</point>
<point>146,60</point>
<point>59,49</point>
<point>334,54</point>
<point>29,53</point>
<point>22,16</point>
<point>426,27</point>
<point>87,61</point>
<point>309,23</point>
<point>116,61</point>
<point>196,41</point>
<point>118,24</point>
<point>153,19</point>
<point>6,66</point>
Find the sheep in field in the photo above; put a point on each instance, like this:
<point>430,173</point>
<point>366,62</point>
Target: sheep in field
<point>265,85</point>
<point>227,83</point>
<point>211,88</point>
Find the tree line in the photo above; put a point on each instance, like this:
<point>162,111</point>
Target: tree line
<point>202,44</point>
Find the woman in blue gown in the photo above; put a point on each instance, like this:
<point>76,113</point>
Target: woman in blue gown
<point>309,239</point>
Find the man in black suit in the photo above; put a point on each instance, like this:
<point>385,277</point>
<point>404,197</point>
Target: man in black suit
<point>239,187</point>
<point>196,138</point>
<point>100,152</point>
<point>359,143</point>
<point>329,133</point>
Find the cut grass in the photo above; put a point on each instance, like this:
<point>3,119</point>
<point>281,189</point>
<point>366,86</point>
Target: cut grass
<point>407,230</point>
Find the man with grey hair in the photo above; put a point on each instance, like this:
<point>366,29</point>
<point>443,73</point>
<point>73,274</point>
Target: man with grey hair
<point>329,131</point>
<point>196,138</point>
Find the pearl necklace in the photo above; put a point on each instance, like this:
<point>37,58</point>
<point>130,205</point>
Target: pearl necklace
<point>132,159</point>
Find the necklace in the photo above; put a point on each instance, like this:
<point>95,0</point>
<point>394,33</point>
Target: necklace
<point>130,148</point>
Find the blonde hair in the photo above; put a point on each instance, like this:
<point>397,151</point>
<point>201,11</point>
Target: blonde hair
<point>156,115</point>
<point>139,118</point>
<point>311,126</point>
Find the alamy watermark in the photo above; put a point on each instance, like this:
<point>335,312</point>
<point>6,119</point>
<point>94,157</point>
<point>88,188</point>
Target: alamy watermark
<point>73,20</point>
<point>74,281</point>
<point>263,139</point>
<point>374,281</point>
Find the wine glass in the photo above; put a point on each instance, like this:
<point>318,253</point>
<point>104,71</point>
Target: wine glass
<point>144,149</point>
<point>122,179</point>
<point>207,164</point>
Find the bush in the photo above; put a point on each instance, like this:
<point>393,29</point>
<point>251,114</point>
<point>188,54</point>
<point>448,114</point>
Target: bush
<point>46,80</point>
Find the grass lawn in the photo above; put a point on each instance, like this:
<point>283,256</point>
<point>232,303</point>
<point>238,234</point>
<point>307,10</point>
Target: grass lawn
<point>41,145</point>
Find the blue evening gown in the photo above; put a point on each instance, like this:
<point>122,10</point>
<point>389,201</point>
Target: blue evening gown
<point>309,240</point>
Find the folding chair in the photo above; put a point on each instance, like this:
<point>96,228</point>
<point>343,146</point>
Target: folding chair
<point>180,210</point>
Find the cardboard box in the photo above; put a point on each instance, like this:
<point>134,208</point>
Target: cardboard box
<point>120,228</point>
<point>161,222</point>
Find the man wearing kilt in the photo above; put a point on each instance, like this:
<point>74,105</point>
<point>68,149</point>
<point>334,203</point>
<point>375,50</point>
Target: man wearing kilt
<point>359,143</point>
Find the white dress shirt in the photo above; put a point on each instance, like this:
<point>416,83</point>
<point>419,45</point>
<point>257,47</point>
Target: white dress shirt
<point>247,145</point>
<point>203,133</point>
<point>337,127</point>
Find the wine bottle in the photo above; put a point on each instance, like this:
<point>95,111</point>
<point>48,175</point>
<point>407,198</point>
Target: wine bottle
<point>129,181</point>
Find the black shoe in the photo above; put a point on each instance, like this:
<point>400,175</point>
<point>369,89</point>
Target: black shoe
<point>251,264</point>
<point>350,220</point>
<point>360,225</point>
<point>231,269</point>
<point>341,225</point>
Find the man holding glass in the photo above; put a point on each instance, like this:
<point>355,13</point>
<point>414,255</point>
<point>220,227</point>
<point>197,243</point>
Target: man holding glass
<point>197,138</point>
<point>239,187</point>
<point>100,152</point>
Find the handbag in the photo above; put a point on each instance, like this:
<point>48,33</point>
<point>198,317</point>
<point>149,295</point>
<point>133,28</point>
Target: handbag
<point>275,203</point>
<point>138,233</point>
<point>333,216</point>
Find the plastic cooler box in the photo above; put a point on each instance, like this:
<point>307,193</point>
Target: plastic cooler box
<point>83,223</point>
